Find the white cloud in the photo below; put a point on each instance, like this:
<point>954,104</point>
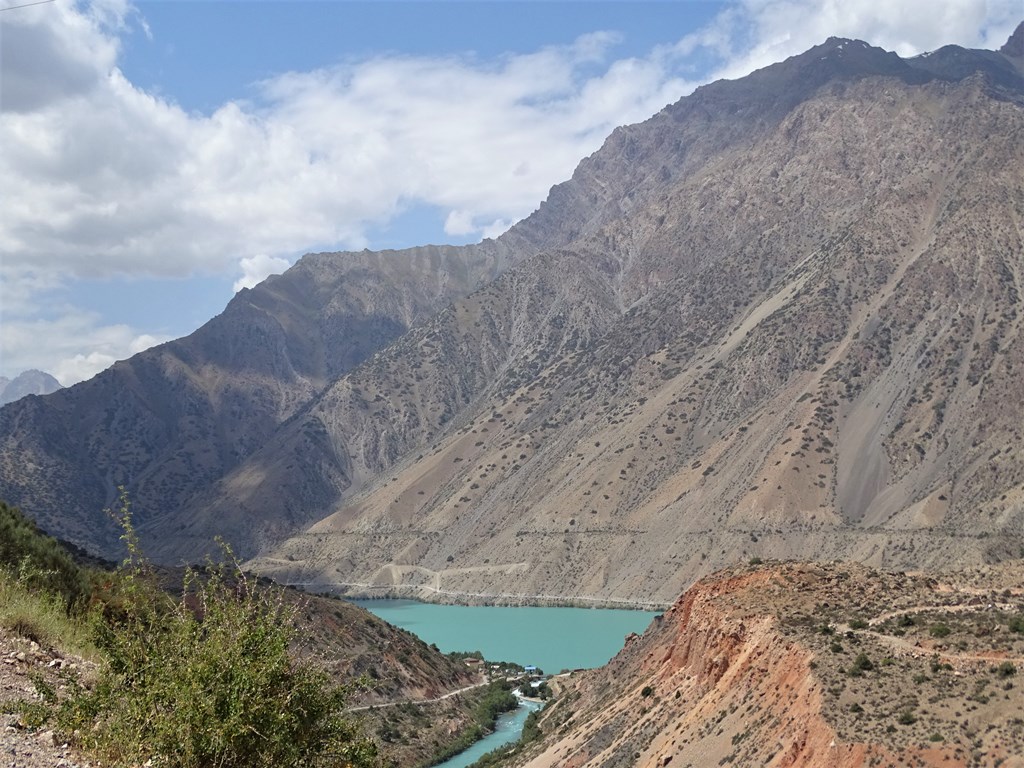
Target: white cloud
<point>102,178</point>
<point>72,346</point>
<point>255,269</point>
<point>755,33</point>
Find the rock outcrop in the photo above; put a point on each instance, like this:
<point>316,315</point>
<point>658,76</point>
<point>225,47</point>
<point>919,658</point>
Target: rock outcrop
<point>801,665</point>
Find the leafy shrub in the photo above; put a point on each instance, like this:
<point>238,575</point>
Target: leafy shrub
<point>208,679</point>
<point>906,717</point>
<point>39,561</point>
<point>861,665</point>
<point>1006,669</point>
<point>939,630</point>
<point>858,624</point>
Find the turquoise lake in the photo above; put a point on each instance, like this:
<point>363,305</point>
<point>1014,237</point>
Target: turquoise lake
<point>550,638</point>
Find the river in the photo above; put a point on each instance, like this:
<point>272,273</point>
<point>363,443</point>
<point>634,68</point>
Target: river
<point>506,730</point>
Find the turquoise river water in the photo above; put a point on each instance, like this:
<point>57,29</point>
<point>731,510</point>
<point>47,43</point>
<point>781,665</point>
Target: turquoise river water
<point>552,639</point>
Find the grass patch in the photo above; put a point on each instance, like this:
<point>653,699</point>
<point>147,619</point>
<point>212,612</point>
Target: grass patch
<point>40,616</point>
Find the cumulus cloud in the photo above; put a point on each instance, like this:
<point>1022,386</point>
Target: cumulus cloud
<point>72,346</point>
<point>755,33</point>
<point>104,178</point>
<point>255,269</point>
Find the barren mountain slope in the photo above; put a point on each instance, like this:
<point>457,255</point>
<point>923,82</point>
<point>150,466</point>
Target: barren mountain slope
<point>804,345</point>
<point>170,421</point>
<point>822,253</point>
<point>804,665</point>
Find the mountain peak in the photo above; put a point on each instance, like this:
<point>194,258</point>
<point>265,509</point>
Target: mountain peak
<point>1014,46</point>
<point>31,382</point>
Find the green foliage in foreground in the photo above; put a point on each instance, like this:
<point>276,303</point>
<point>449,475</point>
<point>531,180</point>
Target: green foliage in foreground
<point>39,561</point>
<point>204,680</point>
<point>38,615</point>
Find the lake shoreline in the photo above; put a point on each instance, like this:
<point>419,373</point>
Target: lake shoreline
<point>425,594</point>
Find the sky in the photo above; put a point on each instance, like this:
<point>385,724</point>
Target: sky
<point>156,157</point>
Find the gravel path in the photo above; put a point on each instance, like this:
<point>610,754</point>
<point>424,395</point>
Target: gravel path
<point>19,747</point>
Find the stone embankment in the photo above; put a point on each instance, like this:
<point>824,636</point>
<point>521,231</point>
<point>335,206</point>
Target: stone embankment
<point>428,594</point>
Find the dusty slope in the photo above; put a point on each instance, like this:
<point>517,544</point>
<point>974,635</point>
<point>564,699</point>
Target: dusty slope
<point>757,667</point>
<point>779,316</point>
<point>172,420</point>
<point>801,344</point>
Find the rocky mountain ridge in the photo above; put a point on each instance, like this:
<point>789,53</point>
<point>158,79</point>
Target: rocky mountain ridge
<point>666,416</point>
<point>779,316</point>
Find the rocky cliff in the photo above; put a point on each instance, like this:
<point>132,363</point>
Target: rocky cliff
<point>801,665</point>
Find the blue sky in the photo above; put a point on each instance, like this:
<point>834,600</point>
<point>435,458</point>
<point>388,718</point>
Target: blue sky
<point>159,155</point>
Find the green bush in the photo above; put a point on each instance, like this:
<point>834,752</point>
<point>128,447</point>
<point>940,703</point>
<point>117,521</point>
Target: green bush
<point>208,680</point>
<point>861,665</point>
<point>38,560</point>
<point>906,717</point>
<point>939,630</point>
<point>1006,669</point>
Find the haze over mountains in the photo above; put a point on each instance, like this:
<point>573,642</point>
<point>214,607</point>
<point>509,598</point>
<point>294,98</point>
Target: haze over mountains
<point>30,382</point>
<point>779,318</point>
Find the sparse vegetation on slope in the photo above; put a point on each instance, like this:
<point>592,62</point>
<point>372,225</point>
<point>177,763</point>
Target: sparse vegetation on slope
<point>763,666</point>
<point>214,630</point>
<point>206,679</point>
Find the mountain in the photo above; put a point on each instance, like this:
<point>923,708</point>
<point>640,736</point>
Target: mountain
<point>797,336</point>
<point>803,665</point>
<point>26,383</point>
<point>779,317</point>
